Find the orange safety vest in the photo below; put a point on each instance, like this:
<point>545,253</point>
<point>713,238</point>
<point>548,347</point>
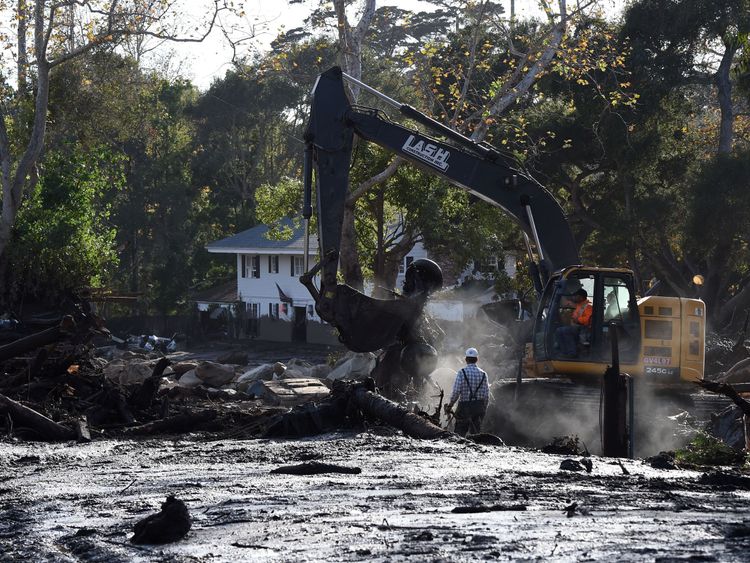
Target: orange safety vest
<point>582,313</point>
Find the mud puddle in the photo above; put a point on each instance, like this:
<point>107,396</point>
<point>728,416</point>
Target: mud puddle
<point>413,500</point>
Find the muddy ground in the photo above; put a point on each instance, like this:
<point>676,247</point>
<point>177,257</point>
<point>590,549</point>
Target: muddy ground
<point>80,502</point>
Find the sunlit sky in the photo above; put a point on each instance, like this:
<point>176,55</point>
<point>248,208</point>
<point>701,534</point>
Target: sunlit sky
<point>211,59</point>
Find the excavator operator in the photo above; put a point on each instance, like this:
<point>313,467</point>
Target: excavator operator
<point>580,320</point>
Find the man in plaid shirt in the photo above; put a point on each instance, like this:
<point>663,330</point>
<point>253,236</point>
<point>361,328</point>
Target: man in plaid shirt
<point>472,392</point>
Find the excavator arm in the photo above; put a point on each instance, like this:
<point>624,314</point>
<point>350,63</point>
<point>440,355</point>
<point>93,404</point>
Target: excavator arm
<point>365,323</point>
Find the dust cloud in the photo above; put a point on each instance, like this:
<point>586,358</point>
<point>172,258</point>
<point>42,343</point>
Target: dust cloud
<point>543,409</point>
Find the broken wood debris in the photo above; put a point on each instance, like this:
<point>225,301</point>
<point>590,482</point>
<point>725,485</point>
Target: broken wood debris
<point>44,428</point>
<point>351,405</point>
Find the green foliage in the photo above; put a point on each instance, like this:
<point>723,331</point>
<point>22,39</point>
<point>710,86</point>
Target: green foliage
<point>277,202</point>
<point>719,206</point>
<point>705,449</point>
<point>64,238</point>
<point>621,129</point>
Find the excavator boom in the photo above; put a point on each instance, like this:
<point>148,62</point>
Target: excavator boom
<point>475,167</point>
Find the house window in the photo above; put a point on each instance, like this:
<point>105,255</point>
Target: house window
<point>273,264</point>
<point>310,310</point>
<point>273,310</point>
<point>488,264</point>
<point>254,267</point>
<point>298,266</point>
<point>243,266</point>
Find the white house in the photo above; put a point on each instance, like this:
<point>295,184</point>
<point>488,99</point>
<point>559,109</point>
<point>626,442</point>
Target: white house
<point>277,306</point>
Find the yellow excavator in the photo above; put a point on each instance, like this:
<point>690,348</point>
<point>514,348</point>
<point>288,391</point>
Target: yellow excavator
<point>660,339</point>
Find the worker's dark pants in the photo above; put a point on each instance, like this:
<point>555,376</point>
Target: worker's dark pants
<point>567,338</point>
<point>469,415</point>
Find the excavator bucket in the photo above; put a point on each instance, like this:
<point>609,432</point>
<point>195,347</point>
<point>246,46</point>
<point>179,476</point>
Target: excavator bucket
<point>366,324</point>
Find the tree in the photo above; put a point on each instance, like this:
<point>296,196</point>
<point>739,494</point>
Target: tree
<point>64,235</point>
<point>60,33</point>
<point>695,51</point>
<point>693,42</point>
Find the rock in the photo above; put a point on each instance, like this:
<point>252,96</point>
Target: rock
<point>113,370</point>
<point>130,373</point>
<point>570,465</point>
<point>189,379</point>
<point>358,366</point>
<point>663,460</point>
<point>294,373</point>
<point>169,525</point>
<point>300,366</point>
<point>263,372</point>
<point>320,371</point>
<point>183,367</point>
<point>729,426</point>
<point>214,374</point>
<point>130,355</point>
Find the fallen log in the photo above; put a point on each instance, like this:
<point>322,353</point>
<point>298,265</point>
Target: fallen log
<point>373,405</point>
<point>34,341</point>
<point>177,423</point>
<point>347,406</point>
<point>46,428</point>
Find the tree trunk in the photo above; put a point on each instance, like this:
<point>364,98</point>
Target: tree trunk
<point>724,94</point>
<point>731,313</point>
<point>23,59</point>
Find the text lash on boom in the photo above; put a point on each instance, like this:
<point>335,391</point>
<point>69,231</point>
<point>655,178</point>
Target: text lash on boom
<point>428,152</point>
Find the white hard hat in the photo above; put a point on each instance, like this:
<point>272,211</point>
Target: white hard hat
<point>472,353</point>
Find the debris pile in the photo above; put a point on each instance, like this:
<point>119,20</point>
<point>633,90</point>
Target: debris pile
<point>59,386</point>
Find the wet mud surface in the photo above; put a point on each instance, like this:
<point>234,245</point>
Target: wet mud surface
<point>413,500</point>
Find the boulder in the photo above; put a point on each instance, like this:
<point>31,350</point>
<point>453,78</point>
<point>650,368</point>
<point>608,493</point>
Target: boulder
<point>293,373</point>
<point>300,366</point>
<point>278,369</point>
<point>183,367</point>
<point>263,372</point>
<point>130,373</point>
<point>320,371</point>
<point>358,366</point>
<point>113,370</point>
<point>213,374</point>
<point>189,379</point>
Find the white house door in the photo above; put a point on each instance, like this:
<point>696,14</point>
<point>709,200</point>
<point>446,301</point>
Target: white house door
<point>299,328</point>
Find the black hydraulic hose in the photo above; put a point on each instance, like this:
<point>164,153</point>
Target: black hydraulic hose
<point>427,121</point>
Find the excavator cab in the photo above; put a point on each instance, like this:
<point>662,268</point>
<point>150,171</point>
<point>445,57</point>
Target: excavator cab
<point>563,344</point>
